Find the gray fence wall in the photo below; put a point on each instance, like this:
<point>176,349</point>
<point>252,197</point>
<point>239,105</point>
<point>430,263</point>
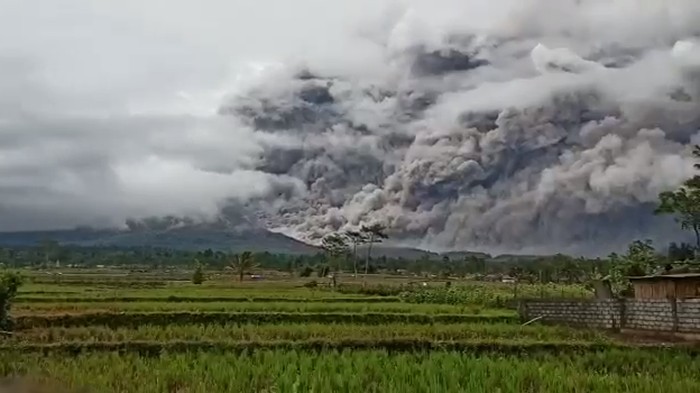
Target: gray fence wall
<point>681,316</point>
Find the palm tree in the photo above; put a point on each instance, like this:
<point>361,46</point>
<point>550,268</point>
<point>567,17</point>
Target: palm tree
<point>336,246</point>
<point>356,238</point>
<point>373,234</point>
<point>242,263</point>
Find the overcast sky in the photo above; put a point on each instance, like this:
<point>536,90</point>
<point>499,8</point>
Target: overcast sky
<point>107,108</point>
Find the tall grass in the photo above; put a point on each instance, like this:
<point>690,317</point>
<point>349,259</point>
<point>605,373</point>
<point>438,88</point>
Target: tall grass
<point>299,307</point>
<point>115,320</point>
<point>362,371</point>
<point>491,294</point>
<point>250,332</point>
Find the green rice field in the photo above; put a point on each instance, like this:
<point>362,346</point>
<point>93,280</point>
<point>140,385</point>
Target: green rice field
<point>94,335</point>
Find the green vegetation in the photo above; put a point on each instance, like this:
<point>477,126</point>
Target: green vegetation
<point>225,306</point>
<point>198,275</point>
<point>137,332</point>
<point>180,318</point>
<point>493,295</point>
<point>640,260</point>
<point>478,332</point>
<point>684,203</point>
<point>363,371</point>
<point>243,263</point>
<point>9,285</point>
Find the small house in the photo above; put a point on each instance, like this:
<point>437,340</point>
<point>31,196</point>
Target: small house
<point>669,286</point>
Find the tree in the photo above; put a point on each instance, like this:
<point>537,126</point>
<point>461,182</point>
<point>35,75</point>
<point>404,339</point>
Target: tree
<point>51,250</point>
<point>242,263</point>
<point>373,234</point>
<point>322,270</point>
<point>569,270</point>
<point>9,284</point>
<point>336,246</point>
<point>684,203</point>
<point>198,275</point>
<point>680,252</point>
<point>356,238</point>
<point>640,260</point>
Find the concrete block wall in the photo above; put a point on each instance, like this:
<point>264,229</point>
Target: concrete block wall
<point>589,313</point>
<point>648,314</point>
<point>655,315</point>
<point>688,312</point>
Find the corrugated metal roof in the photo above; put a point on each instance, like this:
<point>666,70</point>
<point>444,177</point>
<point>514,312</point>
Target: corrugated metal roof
<point>667,276</point>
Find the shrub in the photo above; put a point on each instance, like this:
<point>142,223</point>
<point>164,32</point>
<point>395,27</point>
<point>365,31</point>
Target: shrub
<point>198,276</point>
<point>306,271</point>
<point>9,284</point>
<point>311,284</point>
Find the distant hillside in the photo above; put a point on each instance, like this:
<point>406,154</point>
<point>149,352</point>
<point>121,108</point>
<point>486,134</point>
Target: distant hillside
<point>187,238</point>
<point>218,236</point>
<point>381,250</point>
<point>409,253</point>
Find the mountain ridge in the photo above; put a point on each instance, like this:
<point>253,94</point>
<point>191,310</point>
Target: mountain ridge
<point>181,238</point>
<point>202,237</point>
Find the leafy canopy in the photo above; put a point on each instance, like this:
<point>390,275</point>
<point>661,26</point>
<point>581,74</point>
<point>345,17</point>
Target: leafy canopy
<point>684,203</point>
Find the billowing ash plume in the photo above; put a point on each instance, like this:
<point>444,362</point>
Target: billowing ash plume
<point>543,133</point>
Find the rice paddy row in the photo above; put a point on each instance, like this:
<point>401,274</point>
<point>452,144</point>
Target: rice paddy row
<point>310,331</point>
<point>291,370</point>
<point>203,299</point>
<point>296,307</point>
<point>116,320</point>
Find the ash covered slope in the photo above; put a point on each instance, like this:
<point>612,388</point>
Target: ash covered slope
<point>552,130</point>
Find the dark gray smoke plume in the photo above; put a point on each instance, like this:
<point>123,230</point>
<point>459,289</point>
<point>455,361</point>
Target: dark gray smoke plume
<point>540,135</point>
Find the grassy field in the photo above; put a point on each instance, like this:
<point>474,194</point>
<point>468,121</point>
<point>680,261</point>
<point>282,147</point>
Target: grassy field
<point>142,333</point>
<point>255,332</point>
<point>299,306</point>
<point>362,371</point>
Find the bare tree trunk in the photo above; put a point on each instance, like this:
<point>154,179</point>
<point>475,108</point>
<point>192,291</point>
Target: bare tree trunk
<point>240,275</point>
<point>369,253</point>
<point>354,253</point>
<point>338,269</point>
<point>696,228</point>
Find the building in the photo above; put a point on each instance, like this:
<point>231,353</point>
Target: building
<point>670,286</point>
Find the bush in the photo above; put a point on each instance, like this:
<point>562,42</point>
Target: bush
<point>198,276</point>
<point>311,284</point>
<point>9,284</point>
<point>306,271</point>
